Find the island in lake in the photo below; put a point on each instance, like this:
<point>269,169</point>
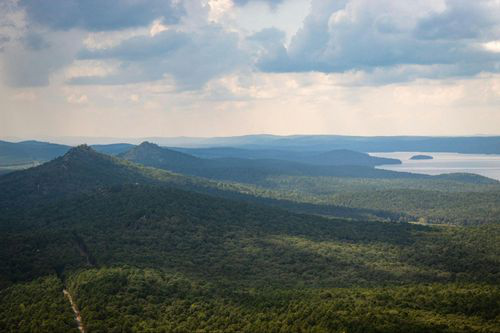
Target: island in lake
<point>421,157</point>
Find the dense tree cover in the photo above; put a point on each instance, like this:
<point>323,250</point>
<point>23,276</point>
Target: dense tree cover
<point>37,306</point>
<point>138,254</point>
<point>132,300</point>
<point>324,157</point>
<point>254,171</point>
<point>171,252</point>
<point>82,169</point>
<point>452,199</point>
<point>458,199</point>
<point>215,238</point>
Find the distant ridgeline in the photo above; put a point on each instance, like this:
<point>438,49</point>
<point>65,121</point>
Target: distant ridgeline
<point>253,170</point>
<point>26,152</point>
<point>268,147</point>
<point>467,145</point>
<point>171,246</point>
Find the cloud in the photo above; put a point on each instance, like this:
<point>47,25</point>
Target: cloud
<point>29,61</point>
<point>192,59</point>
<point>364,35</point>
<point>77,99</point>
<point>98,15</point>
<point>35,41</point>
<point>386,41</point>
<point>3,40</point>
<point>272,52</point>
<point>493,46</point>
<point>462,19</point>
<point>269,2</point>
<point>141,47</point>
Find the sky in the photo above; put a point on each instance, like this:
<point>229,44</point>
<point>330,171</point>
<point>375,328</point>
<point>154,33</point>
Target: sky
<point>165,68</point>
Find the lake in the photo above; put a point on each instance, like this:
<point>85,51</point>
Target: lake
<point>481,164</point>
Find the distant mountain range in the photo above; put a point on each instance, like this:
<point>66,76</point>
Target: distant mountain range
<point>27,152</point>
<point>333,163</point>
<point>468,145</point>
<point>331,157</point>
<point>311,143</point>
<point>34,151</point>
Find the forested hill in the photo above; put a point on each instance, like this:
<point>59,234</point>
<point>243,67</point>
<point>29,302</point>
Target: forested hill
<point>146,258</point>
<point>138,254</point>
<point>82,169</point>
<point>254,170</point>
<point>373,194</point>
<point>329,157</point>
<point>152,155</point>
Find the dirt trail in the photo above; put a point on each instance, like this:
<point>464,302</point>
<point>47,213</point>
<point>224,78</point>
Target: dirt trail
<point>78,317</point>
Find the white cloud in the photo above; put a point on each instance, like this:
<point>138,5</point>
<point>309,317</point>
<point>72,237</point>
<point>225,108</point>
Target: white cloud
<point>493,46</point>
<point>77,99</point>
<point>157,27</point>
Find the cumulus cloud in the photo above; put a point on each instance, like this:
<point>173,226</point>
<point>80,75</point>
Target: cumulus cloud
<point>462,19</point>
<point>98,15</point>
<point>272,54</point>
<point>3,40</point>
<point>365,35</point>
<point>77,99</point>
<point>374,42</point>
<point>270,2</point>
<point>35,41</point>
<point>30,60</point>
<point>191,58</point>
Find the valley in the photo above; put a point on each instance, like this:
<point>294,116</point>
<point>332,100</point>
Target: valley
<point>169,246</point>
<point>249,166</point>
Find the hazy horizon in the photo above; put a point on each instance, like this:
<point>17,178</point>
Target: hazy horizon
<point>76,140</point>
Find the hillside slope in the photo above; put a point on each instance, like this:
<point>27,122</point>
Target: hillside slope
<point>139,254</point>
<point>129,252</point>
<point>249,170</point>
<point>336,157</point>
